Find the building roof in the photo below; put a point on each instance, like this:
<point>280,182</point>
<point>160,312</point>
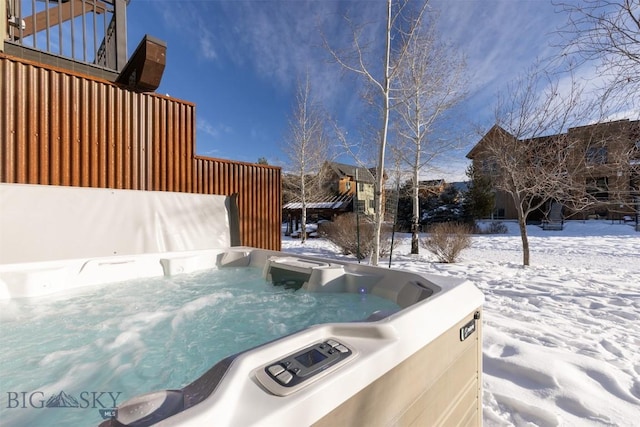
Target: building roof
<point>344,170</point>
<point>432,182</point>
<point>497,131</point>
<point>331,203</point>
<point>491,134</point>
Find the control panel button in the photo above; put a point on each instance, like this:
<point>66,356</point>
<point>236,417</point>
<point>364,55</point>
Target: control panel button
<point>342,349</point>
<point>285,377</point>
<point>333,343</point>
<point>275,369</point>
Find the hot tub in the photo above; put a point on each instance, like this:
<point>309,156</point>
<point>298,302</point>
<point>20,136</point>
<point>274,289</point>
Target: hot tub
<point>418,365</point>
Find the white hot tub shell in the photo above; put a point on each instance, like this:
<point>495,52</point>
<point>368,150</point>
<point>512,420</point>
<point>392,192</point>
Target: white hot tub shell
<point>418,366</point>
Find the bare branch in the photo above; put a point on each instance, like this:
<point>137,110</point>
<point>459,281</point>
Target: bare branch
<point>607,32</point>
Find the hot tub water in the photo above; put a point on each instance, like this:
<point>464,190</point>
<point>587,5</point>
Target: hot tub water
<point>120,340</point>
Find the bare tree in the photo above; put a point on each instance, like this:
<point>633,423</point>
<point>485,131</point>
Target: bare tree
<point>400,19</point>
<point>607,31</point>
<point>523,162</point>
<point>307,148</point>
<point>431,81</point>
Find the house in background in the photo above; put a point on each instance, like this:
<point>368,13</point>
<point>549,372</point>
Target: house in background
<point>599,157</point>
<point>431,187</point>
<point>341,179</point>
<point>341,188</point>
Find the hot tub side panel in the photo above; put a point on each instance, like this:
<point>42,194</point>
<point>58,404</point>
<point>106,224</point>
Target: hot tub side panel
<point>439,385</point>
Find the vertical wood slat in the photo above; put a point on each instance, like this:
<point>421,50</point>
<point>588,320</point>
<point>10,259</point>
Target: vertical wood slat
<point>6,122</point>
<point>43,117</point>
<point>75,138</point>
<point>65,130</point>
<point>94,144</point>
<point>33,138</point>
<point>21,151</point>
<point>61,128</point>
<point>54,141</point>
<point>134,144</point>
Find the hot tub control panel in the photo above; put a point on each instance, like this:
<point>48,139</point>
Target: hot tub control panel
<point>290,373</point>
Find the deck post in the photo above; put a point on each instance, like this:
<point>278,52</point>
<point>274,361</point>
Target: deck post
<point>120,15</point>
<point>3,23</point>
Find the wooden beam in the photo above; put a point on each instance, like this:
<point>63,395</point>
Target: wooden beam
<point>58,17</point>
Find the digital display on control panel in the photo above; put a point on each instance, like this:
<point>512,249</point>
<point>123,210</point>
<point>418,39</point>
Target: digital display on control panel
<point>289,373</point>
<point>310,358</point>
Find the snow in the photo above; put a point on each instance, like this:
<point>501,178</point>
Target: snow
<point>560,346</point>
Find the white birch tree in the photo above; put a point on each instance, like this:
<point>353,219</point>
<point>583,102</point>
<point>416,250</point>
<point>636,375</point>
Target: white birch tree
<point>431,81</point>
<point>400,18</point>
<point>307,148</point>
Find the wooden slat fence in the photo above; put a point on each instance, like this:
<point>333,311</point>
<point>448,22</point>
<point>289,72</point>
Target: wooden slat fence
<point>61,128</point>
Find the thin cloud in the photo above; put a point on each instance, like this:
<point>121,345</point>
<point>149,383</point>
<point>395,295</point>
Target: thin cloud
<point>214,131</point>
<point>501,38</point>
<point>187,19</point>
<point>206,47</point>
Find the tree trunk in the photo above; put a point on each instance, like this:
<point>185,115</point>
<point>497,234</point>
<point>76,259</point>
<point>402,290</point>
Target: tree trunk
<point>415,218</point>
<point>383,142</point>
<point>525,238</point>
<point>303,225</point>
<point>303,210</point>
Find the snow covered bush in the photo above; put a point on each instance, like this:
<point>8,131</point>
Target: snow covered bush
<point>343,233</point>
<point>495,227</point>
<point>447,240</point>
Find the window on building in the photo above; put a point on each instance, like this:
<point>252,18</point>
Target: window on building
<point>360,187</point>
<point>634,183</point>
<point>347,185</point>
<point>635,155</point>
<point>598,188</point>
<point>597,155</point>
<point>372,204</point>
<point>360,206</point>
<point>488,166</point>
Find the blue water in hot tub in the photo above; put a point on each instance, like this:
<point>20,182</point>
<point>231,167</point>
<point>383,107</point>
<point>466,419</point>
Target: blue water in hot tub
<point>85,351</point>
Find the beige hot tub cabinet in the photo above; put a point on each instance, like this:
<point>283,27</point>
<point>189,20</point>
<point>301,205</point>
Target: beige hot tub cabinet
<point>440,385</point>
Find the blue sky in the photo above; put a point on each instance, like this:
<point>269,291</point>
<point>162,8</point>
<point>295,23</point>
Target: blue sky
<point>238,61</point>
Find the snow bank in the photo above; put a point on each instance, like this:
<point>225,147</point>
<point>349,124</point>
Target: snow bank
<point>560,346</point>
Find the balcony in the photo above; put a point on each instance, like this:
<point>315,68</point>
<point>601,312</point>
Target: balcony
<point>87,36</point>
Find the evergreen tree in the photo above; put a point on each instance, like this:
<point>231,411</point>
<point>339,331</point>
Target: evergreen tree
<point>479,199</point>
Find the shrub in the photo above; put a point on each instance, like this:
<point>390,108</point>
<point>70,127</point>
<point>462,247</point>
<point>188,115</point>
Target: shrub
<point>447,240</point>
<point>343,233</point>
<point>495,227</point>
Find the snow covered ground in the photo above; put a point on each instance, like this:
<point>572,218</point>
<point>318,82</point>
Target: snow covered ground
<point>562,337</point>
